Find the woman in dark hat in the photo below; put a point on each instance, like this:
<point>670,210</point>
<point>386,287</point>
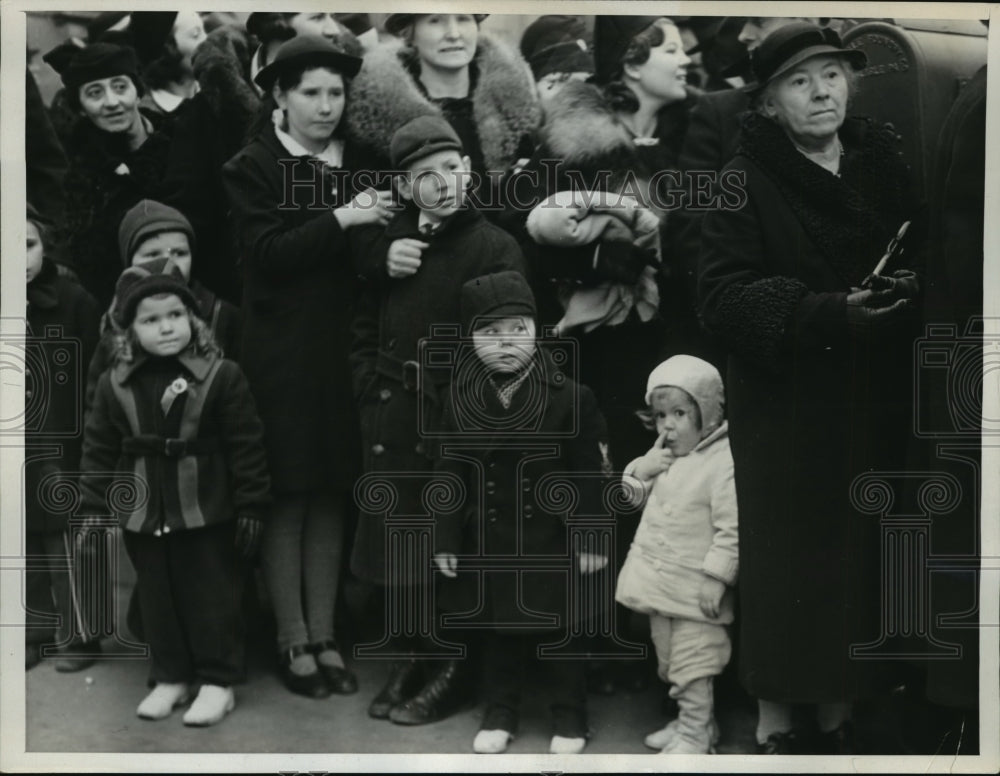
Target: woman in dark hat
<point>299,289</point>
<point>443,64</point>
<point>555,49</point>
<point>115,156</point>
<point>165,42</point>
<point>614,133</point>
<point>270,30</point>
<point>819,372</point>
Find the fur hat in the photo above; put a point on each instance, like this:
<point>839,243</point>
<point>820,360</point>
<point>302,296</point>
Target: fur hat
<point>699,379</point>
<point>612,36</point>
<point>791,45</point>
<point>78,64</point>
<point>499,295</point>
<point>147,218</point>
<point>395,22</point>
<point>306,51</point>
<point>421,137</point>
<point>137,283</point>
<point>150,31</point>
<point>555,44</point>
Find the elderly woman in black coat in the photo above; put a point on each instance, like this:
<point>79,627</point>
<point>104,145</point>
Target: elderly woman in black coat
<point>818,377</point>
<point>299,288</point>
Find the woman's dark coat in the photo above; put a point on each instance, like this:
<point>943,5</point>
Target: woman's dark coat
<point>520,500</point>
<point>105,179</point>
<point>60,338</point>
<point>810,409</point>
<point>298,300</point>
<point>393,316</point>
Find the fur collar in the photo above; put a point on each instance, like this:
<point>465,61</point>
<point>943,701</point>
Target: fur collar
<point>852,217</point>
<point>385,95</point>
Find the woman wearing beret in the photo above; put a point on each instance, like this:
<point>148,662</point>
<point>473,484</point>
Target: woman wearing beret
<point>116,158</point>
<point>819,378</point>
<point>299,288</point>
<point>442,64</point>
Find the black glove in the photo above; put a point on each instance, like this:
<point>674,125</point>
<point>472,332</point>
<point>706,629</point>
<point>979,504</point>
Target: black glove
<point>248,532</point>
<point>870,313</point>
<point>622,261</point>
<point>901,284</point>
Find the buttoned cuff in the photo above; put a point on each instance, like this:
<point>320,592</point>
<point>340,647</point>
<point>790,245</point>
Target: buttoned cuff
<point>721,566</point>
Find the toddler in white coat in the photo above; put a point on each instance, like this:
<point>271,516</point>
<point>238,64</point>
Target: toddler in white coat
<point>683,560</point>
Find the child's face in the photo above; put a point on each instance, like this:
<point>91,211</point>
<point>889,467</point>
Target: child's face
<point>162,325</point>
<point>505,344</point>
<point>437,183</point>
<point>172,245</point>
<point>34,252</point>
<point>676,413</point>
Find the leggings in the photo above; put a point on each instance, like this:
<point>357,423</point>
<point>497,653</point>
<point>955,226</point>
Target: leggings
<point>300,555</point>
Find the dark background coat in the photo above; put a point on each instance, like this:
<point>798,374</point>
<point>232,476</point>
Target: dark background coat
<point>393,316</point>
<point>298,300</point>
<point>513,490</point>
<point>809,408</point>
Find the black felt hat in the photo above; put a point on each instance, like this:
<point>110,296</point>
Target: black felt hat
<point>162,276</point>
<point>791,45</point>
<point>556,44</point>
<point>306,51</point>
<point>78,64</point>
<point>612,36</point>
<point>395,22</point>
<point>150,31</point>
<point>499,295</point>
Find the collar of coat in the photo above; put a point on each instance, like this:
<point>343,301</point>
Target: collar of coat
<point>198,365</point>
<point>385,95</point>
<point>543,367</point>
<point>720,433</point>
<point>41,291</point>
<point>850,217</point>
<point>406,222</point>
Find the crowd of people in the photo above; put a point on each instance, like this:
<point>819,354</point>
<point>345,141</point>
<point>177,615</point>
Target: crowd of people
<point>321,275</point>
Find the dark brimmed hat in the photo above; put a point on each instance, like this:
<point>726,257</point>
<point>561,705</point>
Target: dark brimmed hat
<point>268,26</point>
<point>499,295</point>
<point>304,51</point>
<point>790,46</point>
<point>612,36</point>
<point>555,44</point>
<point>103,22</point>
<point>150,32</point>
<point>357,23</point>
<point>146,219</point>
<point>395,22</point>
<point>136,283</point>
<point>78,65</point>
<point>420,137</point>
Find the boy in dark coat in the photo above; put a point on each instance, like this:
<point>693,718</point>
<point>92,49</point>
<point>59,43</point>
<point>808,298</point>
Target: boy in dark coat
<point>61,320</point>
<point>416,265</point>
<point>514,425</point>
<point>179,419</point>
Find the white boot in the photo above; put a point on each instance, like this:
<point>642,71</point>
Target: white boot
<point>211,705</point>
<point>661,738</point>
<point>563,745</point>
<point>162,700</point>
<point>491,741</point>
<point>694,722</point>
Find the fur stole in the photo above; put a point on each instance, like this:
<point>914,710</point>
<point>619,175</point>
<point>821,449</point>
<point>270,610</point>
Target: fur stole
<point>849,218</point>
<point>385,95</point>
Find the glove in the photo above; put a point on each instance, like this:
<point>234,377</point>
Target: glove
<point>248,532</point>
<point>901,284</point>
<point>622,261</point>
<point>872,312</point>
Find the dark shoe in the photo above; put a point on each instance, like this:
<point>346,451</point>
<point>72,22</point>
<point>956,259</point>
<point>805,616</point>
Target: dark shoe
<point>839,741</point>
<point>32,657</point>
<point>781,743</point>
<point>77,657</point>
<point>339,680</point>
<point>441,697</point>
<point>404,680</point>
<point>311,685</point>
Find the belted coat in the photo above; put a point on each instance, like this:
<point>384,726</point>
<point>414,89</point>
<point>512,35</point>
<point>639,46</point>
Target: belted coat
<point>393,317</point>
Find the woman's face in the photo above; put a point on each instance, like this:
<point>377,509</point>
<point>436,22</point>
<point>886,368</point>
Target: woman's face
<point>810,101</point>
<point>316,24</point>
<point>314,107</point>
<point>112,104</point>
<point>189,33</point>
<point>446,41</point>
<point>34,252</point>
<point>663,76</point>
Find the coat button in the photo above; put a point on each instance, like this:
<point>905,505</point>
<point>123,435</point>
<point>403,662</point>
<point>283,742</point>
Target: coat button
<point>385,394</point>
<point>391,343</point>
<point>166,529</point>
<point>491,512</point>
<point>378,449</point>
<point>157,532</point>
<point>492,465</point>
<point>419,447</point>
<point>28,393</point>
<point>529,510</point>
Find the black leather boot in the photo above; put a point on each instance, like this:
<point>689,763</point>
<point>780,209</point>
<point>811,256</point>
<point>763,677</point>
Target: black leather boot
<point>404,680</point>
<point>448,688</point>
